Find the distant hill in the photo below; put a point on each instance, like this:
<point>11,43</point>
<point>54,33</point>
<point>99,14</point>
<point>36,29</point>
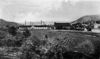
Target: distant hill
<point>87,18</point>
<point>4,23</point>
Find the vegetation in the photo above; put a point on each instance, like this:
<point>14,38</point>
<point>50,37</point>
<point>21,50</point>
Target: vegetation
<point>26,33</point>
<point>46,44</point>
<point>12,30</point>
<point>60,45</point>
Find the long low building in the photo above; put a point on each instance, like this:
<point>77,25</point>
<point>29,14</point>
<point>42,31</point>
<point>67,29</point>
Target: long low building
<point>42,26</point>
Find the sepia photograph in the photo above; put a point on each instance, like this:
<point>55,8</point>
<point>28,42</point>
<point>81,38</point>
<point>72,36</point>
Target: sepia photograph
<point>49,29</point>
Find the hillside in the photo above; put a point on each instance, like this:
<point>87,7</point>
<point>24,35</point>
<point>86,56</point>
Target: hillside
<point>87,18</point>
<point>4,23</point>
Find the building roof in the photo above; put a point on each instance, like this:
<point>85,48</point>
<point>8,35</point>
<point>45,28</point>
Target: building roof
<point>25,26</point>
<point>42,25</point>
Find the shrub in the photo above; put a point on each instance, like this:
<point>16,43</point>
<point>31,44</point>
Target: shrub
<point>26,33</point>
<point>2,34</point>
<point>12,30</point>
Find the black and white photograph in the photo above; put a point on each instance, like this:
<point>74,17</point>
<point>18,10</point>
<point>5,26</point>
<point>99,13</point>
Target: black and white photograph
<point>49,29</point>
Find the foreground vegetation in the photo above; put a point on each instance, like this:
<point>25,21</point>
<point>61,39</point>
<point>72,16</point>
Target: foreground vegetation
<point>49,44</point>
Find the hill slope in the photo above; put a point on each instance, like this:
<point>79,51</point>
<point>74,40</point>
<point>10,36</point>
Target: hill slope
<point>87,18</point>
<point>4,23</point>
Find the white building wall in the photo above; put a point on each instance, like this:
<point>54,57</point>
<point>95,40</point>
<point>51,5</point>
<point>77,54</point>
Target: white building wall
<point>96,26</point>
<point>40,27</point>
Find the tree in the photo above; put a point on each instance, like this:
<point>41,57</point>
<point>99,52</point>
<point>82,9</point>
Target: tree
<point>12,30</point>
<point>26,33</point>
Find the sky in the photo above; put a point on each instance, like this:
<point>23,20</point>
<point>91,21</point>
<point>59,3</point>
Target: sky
<point>47,10</point>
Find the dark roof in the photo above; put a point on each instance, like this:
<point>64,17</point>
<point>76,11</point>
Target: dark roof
<point>98,22</point>
<point>42,25</point>
<point>25,26</point>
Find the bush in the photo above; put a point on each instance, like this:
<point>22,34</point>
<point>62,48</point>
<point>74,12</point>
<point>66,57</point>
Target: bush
<point>12,41</point>
<point>2,34</point>
<point>26,33</point>
<point>12,30</point>
<point>30,48</point>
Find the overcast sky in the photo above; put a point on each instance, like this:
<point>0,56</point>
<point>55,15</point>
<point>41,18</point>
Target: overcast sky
<point>47,10</point>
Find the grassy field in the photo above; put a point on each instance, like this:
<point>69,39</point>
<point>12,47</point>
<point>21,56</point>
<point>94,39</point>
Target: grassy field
<point>43,43</point>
